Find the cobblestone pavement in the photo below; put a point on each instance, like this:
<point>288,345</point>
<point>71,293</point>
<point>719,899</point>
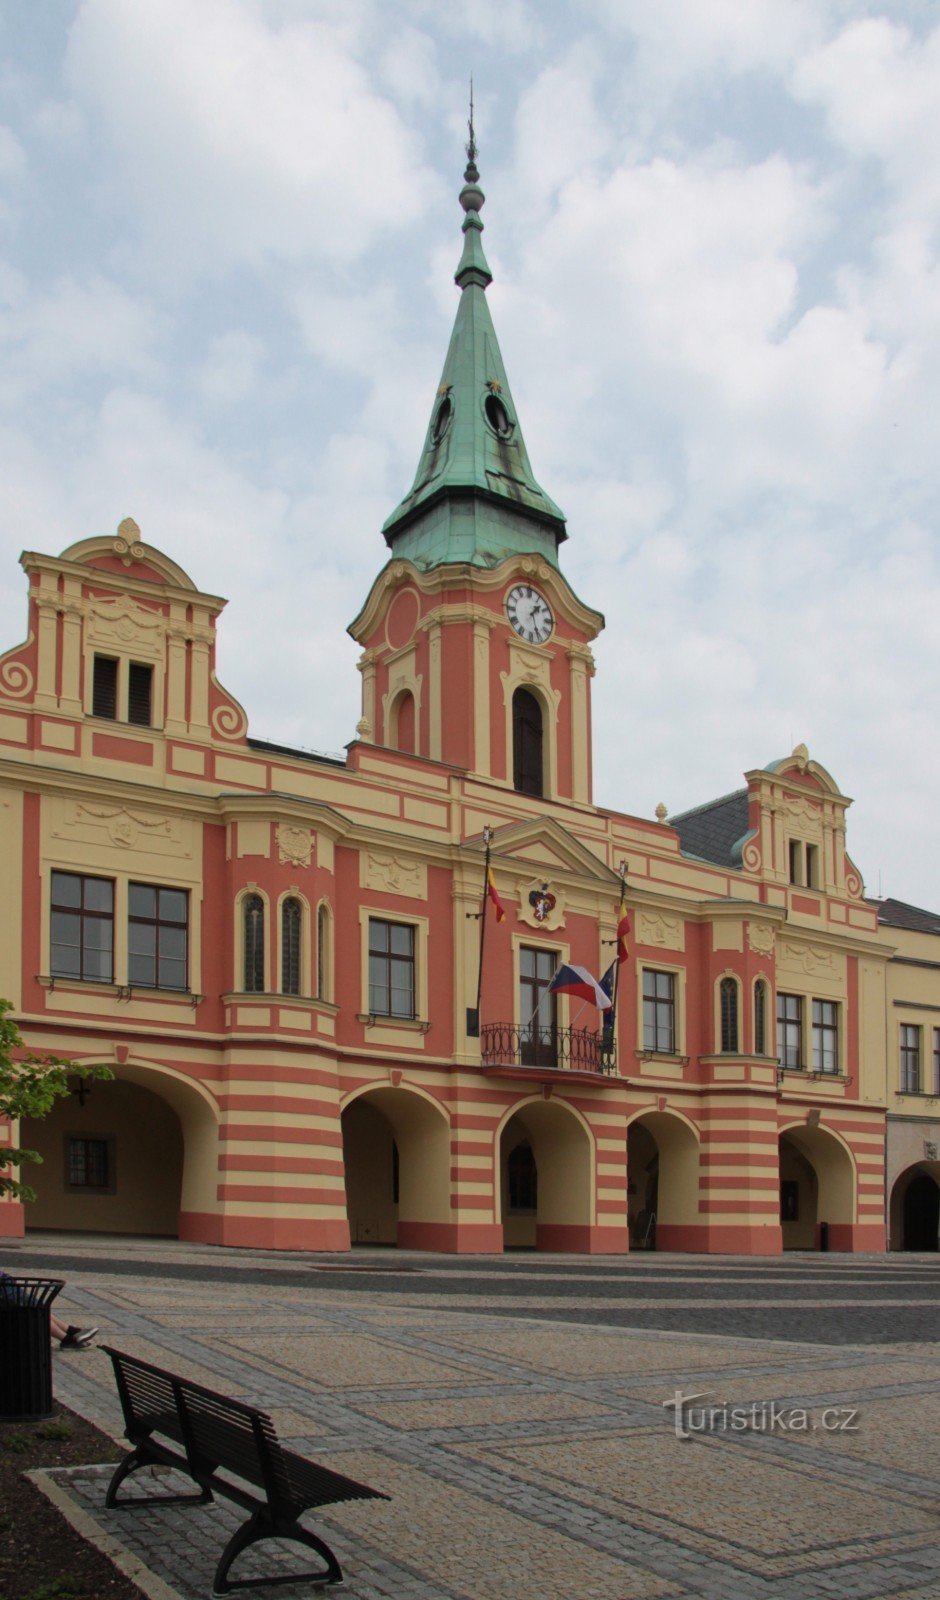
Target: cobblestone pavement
<point>520,1428</point>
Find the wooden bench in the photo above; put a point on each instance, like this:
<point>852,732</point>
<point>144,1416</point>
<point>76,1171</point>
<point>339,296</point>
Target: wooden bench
<point>217,1435</point>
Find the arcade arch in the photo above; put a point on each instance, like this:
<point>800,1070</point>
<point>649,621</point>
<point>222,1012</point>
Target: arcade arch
<point>817,1185</point>
<point>546,1177</point>
<point>914,1213</point>
<point>662,1180</point>
<point>140,1155</point>
<point>396,1154</point>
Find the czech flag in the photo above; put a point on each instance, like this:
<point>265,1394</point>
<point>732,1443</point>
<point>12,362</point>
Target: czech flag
<point>578,981</point>
<point>493,893</point>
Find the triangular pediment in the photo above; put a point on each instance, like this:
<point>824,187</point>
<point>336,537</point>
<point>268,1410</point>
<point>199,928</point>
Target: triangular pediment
<point>543,843</point>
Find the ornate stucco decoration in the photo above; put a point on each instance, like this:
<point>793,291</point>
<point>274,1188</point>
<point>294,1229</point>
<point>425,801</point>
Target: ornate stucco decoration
<point>16,678</point>
<point>392,874</point>
<point>808,958</point>
<point>658,928</point>
<point>294,845</point>
<point>127,829</point>
<point>123,622</point>
<point>541,904</point>
<point>796,809</point>
<point>931,1149</point>
<point>127,544</point>
<point>761,938</point>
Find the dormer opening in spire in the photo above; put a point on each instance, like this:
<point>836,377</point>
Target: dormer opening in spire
<point>475,497</point>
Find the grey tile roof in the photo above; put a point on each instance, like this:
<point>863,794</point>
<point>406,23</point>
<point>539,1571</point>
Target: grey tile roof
<point>712,829</point>
<point>898,914</point>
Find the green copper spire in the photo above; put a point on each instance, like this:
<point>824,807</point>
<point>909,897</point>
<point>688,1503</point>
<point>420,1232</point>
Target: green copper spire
<point>475,497</point>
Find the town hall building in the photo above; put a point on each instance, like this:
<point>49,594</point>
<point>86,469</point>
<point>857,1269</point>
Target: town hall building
<point>325,1030</point>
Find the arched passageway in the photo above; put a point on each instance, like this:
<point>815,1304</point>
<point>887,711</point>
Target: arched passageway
<point>133,1155</point>
<point>915,1208</point>
<point>546,1178</point>
<point>396,1153</point>
<point>817,1186</point>
<point>662,1182</point>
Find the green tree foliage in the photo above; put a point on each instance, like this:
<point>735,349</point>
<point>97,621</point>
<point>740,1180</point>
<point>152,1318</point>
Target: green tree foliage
<point>29,1087</point>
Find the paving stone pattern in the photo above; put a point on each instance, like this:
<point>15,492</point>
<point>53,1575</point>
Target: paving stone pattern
<point>523,1438</point>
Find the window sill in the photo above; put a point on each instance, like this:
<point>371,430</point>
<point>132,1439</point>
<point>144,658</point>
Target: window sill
<point>813,1072</point>
<point>303,1002</point>
<point>917,1094</point>
<point>120,991</point>
<point>52,980</point>
<point>662,1055</point>
<point>375,1019</point>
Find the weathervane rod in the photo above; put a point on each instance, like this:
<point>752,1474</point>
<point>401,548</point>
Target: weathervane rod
<point>472,145</point>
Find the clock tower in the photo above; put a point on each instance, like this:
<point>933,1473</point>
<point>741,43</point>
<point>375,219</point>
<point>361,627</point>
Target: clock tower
<point>476,651</point>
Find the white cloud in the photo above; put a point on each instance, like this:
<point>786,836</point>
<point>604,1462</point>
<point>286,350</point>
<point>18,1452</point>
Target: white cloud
<point>230,370</point>
<point>235,139</point>
<point>49,338</point>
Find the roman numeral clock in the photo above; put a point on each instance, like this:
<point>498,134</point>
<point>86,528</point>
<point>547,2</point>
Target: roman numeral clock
<point>529,613</point>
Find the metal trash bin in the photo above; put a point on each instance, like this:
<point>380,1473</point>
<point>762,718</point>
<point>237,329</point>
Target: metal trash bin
<point>25,1348</point>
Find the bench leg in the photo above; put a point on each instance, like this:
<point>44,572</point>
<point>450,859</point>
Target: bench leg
<point>260,1527</point>
<point>131,1462</point>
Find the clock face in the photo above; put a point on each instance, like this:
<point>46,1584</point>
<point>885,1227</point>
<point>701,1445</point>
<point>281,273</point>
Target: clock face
<point>529,613</point>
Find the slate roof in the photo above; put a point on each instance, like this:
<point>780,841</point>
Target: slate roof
<point>898,914</point>
<point>710,830</point>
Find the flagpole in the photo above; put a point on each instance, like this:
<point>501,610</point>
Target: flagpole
<point>473,1017</point>
<point>617,961</point>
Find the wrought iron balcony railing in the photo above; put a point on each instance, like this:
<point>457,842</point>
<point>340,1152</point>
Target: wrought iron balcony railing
<point>504,1044</point>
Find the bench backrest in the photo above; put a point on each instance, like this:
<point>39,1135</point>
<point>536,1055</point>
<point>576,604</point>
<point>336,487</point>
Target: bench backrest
<point>214,1430</point>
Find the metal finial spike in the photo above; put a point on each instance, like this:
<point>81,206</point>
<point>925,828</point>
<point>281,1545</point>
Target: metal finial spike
<point>471,143</point>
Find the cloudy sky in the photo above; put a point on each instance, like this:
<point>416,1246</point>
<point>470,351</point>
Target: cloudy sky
<point>228,231</point>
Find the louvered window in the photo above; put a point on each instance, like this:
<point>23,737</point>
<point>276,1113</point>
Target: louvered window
<point>105,687</point>
<point>139,694</point>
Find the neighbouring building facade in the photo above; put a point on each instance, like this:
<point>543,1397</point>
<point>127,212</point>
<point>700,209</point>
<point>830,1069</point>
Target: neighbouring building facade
<point>277,952</point>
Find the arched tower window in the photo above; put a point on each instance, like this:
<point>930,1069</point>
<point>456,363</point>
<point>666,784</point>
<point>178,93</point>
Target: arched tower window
<point>291,927</point>
<point>760,1012</point>
<point>323,952</point>
<point>253,925</point>
<point>527,743</point>
<point>404,730</point>
<point>729,1015</point>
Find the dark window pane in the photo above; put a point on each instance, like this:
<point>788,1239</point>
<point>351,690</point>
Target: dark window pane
<point>172,942</point>
<point>104,687</point>
<point>139,693</point>
<point>142,900</point>
<point>67,928</point>
<point>96,964</point>
<point>172,973</point>
<point>142,938</point>
<point>173,905</point>
<point>142,969</point>
<point>378,936</point>
<point>66,889</point>
<point>66,961</point>
<point>99,894</point>
<point>402,939</point>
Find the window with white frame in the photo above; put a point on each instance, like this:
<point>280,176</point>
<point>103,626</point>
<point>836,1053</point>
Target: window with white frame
<point>910,1058</point>
<point>659,1011</point>
<point>790,1030</point>
<point>825,1036</point>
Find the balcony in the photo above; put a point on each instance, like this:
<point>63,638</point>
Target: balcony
<point>549,1049</point>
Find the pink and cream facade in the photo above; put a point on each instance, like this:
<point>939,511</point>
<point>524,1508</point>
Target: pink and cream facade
<point>276,953</point>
